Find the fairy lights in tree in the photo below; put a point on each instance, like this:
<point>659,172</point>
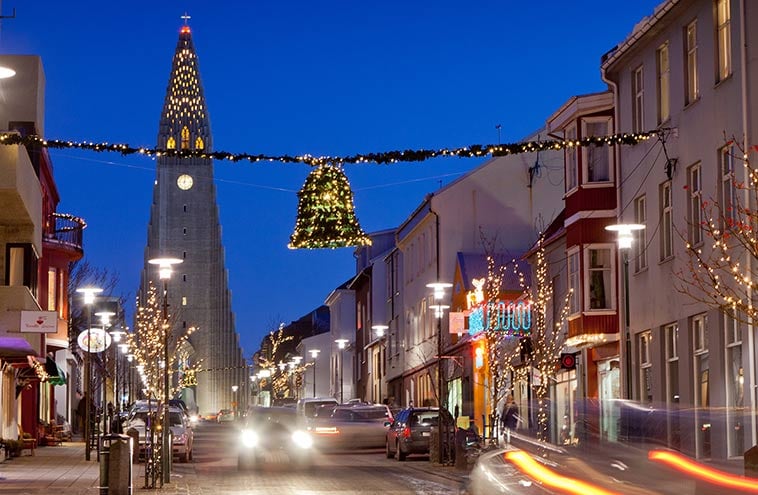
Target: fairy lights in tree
<point>542,347</point>
<point>723,274</point>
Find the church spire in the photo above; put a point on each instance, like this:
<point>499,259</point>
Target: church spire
<point>184,120</point>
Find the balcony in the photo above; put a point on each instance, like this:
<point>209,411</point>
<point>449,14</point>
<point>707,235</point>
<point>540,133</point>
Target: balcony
<point>20,198</point>
<point>65,232</point>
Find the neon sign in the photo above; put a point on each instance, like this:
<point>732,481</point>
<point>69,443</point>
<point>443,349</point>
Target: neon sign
<point>514,318</point>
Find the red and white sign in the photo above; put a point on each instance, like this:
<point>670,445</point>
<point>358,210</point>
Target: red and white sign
<point>458,322</point>
<point>94,340</point>
<point>39,321</point>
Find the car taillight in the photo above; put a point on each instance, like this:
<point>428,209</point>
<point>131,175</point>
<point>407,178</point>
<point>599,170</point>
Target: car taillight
<point>407,432</point>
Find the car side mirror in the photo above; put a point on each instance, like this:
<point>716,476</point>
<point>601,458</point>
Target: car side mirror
<point>387,424</point>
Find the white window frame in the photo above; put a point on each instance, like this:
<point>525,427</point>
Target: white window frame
<point>587,151</point>
<point>645,362</point>
<point>727,191</point>
<point>572,161</point>
<point>667,221</point>
<point>574,281</point>
<point>695,204</point>
<point>663,76</point>
<point>611,248</point>
<point>638,100</point>
<point>640,236</point>
<point>723,40</point>
<point>671,334</point>
<point>692,88</point>
<point>734,413</point>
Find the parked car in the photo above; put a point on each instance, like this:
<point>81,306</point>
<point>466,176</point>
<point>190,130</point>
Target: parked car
<point>411,430</point>
<point>182,435</point>
<point>225,415</point>
<point>307,408</point>
<point>268,431</point>
<point>355,426</point>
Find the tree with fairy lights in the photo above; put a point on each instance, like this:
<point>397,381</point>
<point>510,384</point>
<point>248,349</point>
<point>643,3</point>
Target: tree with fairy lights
<point>542,347</point>
<point>146,344</point>
<point>721,242</point>
<point>271,358</point>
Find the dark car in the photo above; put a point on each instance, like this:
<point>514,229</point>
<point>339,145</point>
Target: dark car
<point>351,426</point>
<point>411,430</point>
<point>271,432</point>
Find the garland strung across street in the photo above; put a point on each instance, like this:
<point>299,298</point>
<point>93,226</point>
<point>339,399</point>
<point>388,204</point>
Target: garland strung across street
<point>325,214</point>
<point>379,158</point>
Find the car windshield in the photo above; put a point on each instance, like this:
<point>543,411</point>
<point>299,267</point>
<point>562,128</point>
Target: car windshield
<point>312,409</point>
<point>424,418</point>
<point>176,419</point>
<point>363,414</point>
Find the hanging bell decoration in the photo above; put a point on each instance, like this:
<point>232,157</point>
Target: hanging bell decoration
<point>325,212</point>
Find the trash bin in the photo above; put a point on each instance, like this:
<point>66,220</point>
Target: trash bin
<point>116,465</point>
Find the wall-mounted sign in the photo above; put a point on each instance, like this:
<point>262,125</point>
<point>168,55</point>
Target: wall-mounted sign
<point>94,340</point>
<point>512,317</point>
<point>39,321</point>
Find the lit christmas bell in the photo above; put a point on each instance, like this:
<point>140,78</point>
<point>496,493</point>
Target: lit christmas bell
<point>325,212</point>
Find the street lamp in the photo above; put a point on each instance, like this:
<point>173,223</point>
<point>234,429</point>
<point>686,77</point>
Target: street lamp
<point>89,299</point>
<point>381,331</point>
<point>342,344</point>
<point>314,355</point>
<point>105,321</point>
<point>164,271</point>
<point>438,289</point>
<point>234,400</point>
<point>625,238</point>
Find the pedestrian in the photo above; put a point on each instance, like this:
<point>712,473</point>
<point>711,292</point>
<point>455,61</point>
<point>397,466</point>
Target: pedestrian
<point>509,418</point>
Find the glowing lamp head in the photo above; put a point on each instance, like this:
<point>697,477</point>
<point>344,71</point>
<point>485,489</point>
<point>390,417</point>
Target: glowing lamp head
<point>439,288</point>
<point>380,330</point>
<point>235,388</point>
<point>625,232</point>
<point>314,353</point>
<point>89,293</point>
<point>342,343</point>
<point>6,72</point>
<point>164,266</point>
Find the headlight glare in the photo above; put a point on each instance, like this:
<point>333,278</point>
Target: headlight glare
<point>302,439</point>
<point>249,438</point>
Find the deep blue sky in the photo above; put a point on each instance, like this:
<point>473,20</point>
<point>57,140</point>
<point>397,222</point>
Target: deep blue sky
<point>293,77</point>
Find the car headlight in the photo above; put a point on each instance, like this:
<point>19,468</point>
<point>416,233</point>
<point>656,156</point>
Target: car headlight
<point>249,438</point>
<point>180,439</point>
<point>302,439</point>
<point>194,418</point>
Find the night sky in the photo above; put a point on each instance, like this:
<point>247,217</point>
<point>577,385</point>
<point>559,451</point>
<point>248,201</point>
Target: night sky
<point>295,77</point>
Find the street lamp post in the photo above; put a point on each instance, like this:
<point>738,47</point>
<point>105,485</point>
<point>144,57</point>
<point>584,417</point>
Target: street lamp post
<point>234,400</point>
<point>89,299</point>
<point>625,238</point>
<point>438,289</point>
<point>381,331</point>
<point>105,321</point>
<point>314,355</point>
<point>342,344</point>
<point>164,270</point>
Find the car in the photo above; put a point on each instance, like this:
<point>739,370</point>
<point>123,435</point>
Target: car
<point>182,435</point>
<point>267,432</point>
<point>308,407</point>
<point>358,426</point>
<point>224,416</point>
<point>410,431</point>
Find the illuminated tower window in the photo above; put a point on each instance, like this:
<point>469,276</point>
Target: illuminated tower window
<point>199,143</point>
<point>171,143</point>
<point>185,138</point>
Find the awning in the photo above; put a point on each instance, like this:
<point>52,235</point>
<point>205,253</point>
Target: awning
<point>15,347</point>
<point>54,374</point>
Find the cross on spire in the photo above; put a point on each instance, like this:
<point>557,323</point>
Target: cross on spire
<point>186,18</point>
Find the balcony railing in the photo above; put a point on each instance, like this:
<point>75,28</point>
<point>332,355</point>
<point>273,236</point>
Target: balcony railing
<point>66,230</point>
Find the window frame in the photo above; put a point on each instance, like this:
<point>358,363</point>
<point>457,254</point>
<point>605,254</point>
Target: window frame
<point>586,272</point>
<point>723,33</point>
<point>644,359</point>
<point>667,221</point>
<point>575,281</point>
<point>640,236</point>
<point>588,150</point>
<point>692,81</point>
<point>638,99</point>
<point>726,158</point>
<point>695,204</point>
<point>663,82</point>
<point>571,159</point>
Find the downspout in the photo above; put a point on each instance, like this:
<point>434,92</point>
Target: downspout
<point>626,342</point>
<point>745,136</point>
<point>440,385</point>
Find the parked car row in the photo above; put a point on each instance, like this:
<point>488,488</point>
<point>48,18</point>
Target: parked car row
<point>142,414</point>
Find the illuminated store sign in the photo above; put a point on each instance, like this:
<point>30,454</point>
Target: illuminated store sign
<point>514,318</point>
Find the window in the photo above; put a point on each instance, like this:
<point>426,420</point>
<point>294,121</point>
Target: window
<point>671,333</point>
<point>667,226</point>
<point>692,91</point>
<point>184,300</point>
<point>597,159</point>
<point>723,40</point>
<point>599,281</point>
<point>702,386</point>
<point>185,138</point>
<point>645,390</point>
<point>21,266</point>
<point>638,116</point>
<point>662,68</point>
<point>727,196</point>
<point>199,144</point>
<point>735,386</point>
<point>171,143</point>
<point>695,206</point>
<point>573,276</point>
<point>572,172</point>
<point>52,285</point>
<point>640,238</point>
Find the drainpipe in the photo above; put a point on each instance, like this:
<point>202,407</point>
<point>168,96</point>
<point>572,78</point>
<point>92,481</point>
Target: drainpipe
<point>440,383</point>
<point>748,268</point>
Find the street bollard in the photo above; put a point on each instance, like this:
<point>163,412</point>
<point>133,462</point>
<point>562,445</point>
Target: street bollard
<point>103,459</point>
<point>133,433</point>
<point>119,465</point>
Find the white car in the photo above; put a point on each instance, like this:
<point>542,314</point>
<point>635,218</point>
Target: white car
<point>182,435</point>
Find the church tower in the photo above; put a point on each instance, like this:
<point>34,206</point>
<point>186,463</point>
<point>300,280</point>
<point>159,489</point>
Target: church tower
<point>184,224</point>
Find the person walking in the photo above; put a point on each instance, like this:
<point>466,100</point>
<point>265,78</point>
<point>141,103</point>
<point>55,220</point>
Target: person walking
<point>509,418</point>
